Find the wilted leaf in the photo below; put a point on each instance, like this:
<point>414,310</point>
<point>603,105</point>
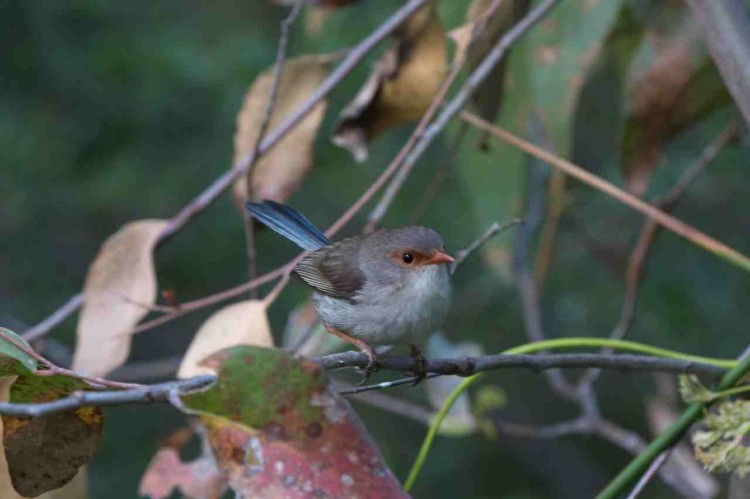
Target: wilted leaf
<point>6,485</point>
<point>199,478</point>
<point>497,19</point>
<point>277,430</point>
<point>401,85</point>
<point>279,173</point>
<point>119,288</point>
<point>680,87</point>
<point>243,323</point>
<point>459,420</point>
<point>45,453</point>
<point>77,488</point>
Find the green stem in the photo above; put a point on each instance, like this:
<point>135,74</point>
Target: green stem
<point>732,391</point>
<point>540,346</point>
<point>669,437</point>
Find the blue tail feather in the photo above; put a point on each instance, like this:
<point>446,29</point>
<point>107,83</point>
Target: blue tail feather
<point>289,223</point>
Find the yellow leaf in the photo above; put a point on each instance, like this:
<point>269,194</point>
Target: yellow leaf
<point>120,287</point>
<point>279,172</point>
<point>243,323</point>
<point>400,87</point>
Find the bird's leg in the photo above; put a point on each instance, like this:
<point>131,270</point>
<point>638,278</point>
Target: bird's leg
<point>420,363</point>
<point>372,357</point>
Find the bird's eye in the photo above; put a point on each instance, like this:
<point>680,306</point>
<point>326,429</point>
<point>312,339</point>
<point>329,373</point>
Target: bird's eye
<point>407,257</point>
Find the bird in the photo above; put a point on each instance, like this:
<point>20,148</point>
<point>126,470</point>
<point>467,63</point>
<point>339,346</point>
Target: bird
<point>388,287</point>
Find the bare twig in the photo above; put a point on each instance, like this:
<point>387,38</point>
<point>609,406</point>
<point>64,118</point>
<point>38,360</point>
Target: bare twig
<point>532,314</point>
<point>212,192</point>
<point>51,369</point>
<point>252,255</point>
<point>55,319</point>
<point>466,366</point>
<point>655,466</point>
<point>726,28</point>
<point>637,259</point>
<point>162,392</point>
<point>423,136</point>
<point>441,173</point>
<point>491,232</point>
<point>396,406</point>
<point>675,225</point>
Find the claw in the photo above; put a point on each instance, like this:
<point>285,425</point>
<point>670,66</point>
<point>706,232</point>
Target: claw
<point>372,365</point>
<point>420,364</point>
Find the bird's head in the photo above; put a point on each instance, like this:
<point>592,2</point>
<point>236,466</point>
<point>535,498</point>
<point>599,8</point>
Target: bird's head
<point>405,252</point>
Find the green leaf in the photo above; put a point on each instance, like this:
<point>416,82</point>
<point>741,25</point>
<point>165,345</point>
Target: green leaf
<point>9,350</point>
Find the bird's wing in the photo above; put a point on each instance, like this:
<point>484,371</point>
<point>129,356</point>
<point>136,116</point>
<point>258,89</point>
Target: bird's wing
<point>333,270</point>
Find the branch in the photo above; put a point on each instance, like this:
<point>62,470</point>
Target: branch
<point>677,226</point>
<point>213,191</point>
<point>466,366</point>
<point>637,259</point>
<point>726,28</point>
<point>162,392</point>
<point>252,255</point>
<point>491,232</point>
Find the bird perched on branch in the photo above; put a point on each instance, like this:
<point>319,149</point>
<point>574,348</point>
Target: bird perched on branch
<point>384,288</point>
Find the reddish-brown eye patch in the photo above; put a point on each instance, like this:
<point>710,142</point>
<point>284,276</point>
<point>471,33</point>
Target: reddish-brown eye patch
<point>409,257</point>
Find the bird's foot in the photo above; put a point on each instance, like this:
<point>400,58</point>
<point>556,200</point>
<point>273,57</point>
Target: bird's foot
<point>372,364</point>
<point>420,364</point>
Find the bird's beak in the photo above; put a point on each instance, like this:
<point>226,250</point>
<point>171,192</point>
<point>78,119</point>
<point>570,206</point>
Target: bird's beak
<point>438,257</point>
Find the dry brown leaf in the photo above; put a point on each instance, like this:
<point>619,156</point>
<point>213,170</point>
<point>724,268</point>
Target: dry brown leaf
<point>77,488</point>
<point>243,323</point>
<point>120,287</point>
<point>279,173</point>
<point>401,85</point>
<point>499,19</point>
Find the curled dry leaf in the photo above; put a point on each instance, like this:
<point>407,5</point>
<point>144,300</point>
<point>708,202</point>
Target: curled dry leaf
<point>120,287</point>
<point>492,19</point>
<point>243,323</point>
<point>279,172</point>
<point>278,430</point>
<point>401,85</point>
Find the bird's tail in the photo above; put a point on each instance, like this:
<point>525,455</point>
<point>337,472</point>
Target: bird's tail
<point>289,223</point>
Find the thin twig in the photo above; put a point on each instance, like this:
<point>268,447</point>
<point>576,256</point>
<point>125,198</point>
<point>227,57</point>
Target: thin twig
<point>655,466</point>
<point>377,214</point>
<point>213,191</point>
<point>466,366</point>
<point>637,258</point>
<point>491,232</point>
<point>252,254</point>
<point>162,392</point>
<point>525,284</point>
<point>675,225</point>
<point>51,369</point>
<point>55,319</point>
<point>441,173</point>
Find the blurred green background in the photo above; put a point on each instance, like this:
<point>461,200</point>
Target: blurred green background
<point>115,111</point>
